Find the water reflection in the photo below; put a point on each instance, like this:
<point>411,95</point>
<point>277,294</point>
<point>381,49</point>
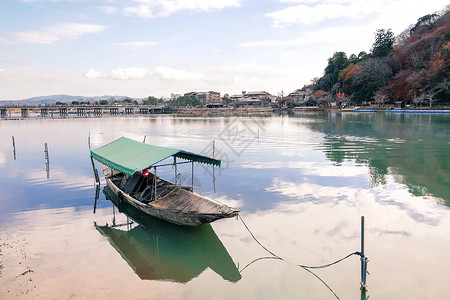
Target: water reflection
<point>414,149</point>
<point>157,250</point>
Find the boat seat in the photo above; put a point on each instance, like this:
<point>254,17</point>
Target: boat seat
<point>133,183</point>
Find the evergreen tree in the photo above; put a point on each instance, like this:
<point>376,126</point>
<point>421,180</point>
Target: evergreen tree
<point>384,42</point>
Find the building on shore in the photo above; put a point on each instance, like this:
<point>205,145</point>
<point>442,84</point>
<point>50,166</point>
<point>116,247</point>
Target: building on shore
<point>300,96</point>
<point>259,98</point>
<point>205,97</point>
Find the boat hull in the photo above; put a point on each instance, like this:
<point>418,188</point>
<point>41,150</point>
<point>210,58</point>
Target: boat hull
<point>182,218</point>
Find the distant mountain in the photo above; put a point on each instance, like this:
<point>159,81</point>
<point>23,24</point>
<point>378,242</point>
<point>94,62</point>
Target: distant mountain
<point>61,98</point>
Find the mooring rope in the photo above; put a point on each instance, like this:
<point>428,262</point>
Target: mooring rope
<point>305,267</point>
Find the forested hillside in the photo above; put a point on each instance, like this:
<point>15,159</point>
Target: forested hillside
<point>412,67</point>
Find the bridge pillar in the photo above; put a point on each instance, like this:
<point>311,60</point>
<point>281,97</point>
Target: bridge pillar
<point>129,110</point>
<point>63,112</point>
<point>25,113</point>
<point>114,111</point>
<point>97,111</point>
<point>44,112</point>
<point>81,111</point>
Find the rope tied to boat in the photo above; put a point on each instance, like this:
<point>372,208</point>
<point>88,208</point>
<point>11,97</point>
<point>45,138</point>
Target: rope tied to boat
<point>305,267</point>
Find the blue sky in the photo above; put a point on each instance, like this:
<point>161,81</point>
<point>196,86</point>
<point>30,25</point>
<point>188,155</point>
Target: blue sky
<point>141,48</point>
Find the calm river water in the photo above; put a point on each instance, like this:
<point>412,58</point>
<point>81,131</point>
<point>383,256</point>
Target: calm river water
<point>302,183</point>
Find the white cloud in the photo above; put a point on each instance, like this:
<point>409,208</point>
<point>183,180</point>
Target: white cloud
<point>312,168</point>
<point>164,73</point>
<point>395,14</point>
<point>175,74</point>
<point>129,73</point>
<point>4,41</point>
<point>138,44</point>
<point>57,33</point>
<point>333,34</point>
<point>307,14</point>
<point>316,1</point>
<point>118,73</point>
<point>94,74</point>
<point>30,1</point>
<point>163,8</point>
<point>109,9</point>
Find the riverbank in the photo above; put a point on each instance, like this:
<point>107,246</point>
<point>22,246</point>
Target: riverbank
<point>37,113</point>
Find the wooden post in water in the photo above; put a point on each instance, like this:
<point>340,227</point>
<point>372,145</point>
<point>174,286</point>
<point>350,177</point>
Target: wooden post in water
<point>97,179</point>
<point>97,194</point>
<point>14,147</point>
<point>47,161</point>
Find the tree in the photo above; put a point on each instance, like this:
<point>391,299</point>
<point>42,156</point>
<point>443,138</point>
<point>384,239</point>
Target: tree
<point>226,99</point>
<point>363,55</point>
<point>150,101</point>
<point>185,101</point>
<point>326,82</point>
<point>321,97</point>
<point>336,63</point>
<point>103,102</point>
<point>384,42</point>
<point>425,21</point>
<point>75,103</point>
<point>371,75</point>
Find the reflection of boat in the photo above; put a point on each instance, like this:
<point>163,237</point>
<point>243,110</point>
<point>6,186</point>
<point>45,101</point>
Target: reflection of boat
<point>158,250</point>
<point>129,177</point>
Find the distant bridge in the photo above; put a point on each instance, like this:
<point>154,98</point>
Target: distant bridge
<point>6,111</point>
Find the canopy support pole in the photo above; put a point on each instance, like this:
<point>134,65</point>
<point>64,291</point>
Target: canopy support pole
<point>175,167</point>
<point>154,184</point>
<point>192,176</point>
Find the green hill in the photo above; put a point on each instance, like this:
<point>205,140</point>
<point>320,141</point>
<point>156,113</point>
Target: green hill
<point>412,67</point>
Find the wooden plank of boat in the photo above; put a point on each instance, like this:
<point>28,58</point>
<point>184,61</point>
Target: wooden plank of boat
<point>179,207</point>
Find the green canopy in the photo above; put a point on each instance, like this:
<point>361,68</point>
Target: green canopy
<point>130,156</point>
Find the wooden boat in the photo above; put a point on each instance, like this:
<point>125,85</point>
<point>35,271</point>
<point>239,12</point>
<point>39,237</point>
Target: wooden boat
<point>127,166</point>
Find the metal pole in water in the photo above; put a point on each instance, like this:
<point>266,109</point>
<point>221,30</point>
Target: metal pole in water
<point>363,263</point>
<point>362,249</point>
